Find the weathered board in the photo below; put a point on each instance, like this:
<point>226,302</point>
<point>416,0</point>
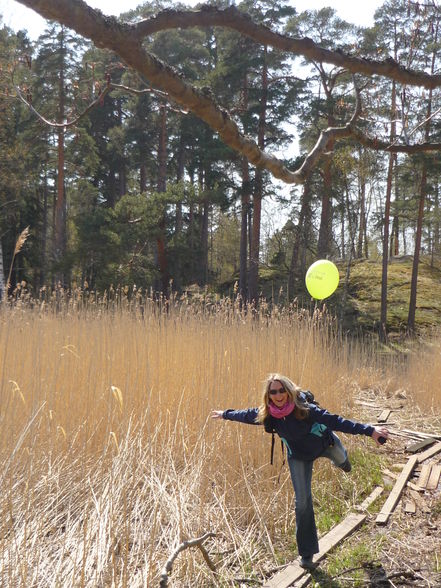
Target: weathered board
<point>339,532</point>
<point>286,577</point>
<point>370,499</point>
<point>294,572</point>
<point>394,476</point>
<point>420,502</point>
<point>420,445</point>
<point>424,475</point>
<point>432,483</point>
<point>429,452</point>
<point>384,415</point>
<point>394,496</point>
<point>409,506</point>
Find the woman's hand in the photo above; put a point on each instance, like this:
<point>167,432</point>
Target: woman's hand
<point>380,434</point>
<point>217,414</point>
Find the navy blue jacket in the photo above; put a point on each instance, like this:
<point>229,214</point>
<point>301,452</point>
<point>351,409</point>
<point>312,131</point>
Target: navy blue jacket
<point>304,439</point>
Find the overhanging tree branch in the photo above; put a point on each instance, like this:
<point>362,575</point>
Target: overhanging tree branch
<point>241,22</point>
<point>126,41</point>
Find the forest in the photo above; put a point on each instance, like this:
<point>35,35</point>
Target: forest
<point>114,179</point>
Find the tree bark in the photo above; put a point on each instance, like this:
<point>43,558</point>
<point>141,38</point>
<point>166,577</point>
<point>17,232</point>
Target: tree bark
<point>362,222</point>
<point>385,258</point>
<point>300,237</point>
<point>258,190</point>
<point>244,213</point>
<point>3,293</point>
<point>422,201</point>
<point>162,186</point>
<point>386,220</point>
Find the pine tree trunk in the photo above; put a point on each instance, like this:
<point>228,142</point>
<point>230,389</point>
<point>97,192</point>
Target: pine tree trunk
<point>325,229</point>
<point>203,278</point>
<point>162,186</point>
<point>258,191</point>
<point>60,202</point>
<point>300,237</point>
<point>3,294</point>
<point>436,228</point>
<point>362,222</point>
<point>180,178</point>
<point>244,211</point>
<point>416,255</point>
<point>422,201</point>
<point>385,260</point>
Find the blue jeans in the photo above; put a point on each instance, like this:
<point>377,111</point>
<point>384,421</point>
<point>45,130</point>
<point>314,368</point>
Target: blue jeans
<point>301,475</point>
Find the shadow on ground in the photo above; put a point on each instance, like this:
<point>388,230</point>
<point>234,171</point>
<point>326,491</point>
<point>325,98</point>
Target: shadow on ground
<point>376,576</point>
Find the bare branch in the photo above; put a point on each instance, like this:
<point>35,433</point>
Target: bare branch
<point>68,123</point>
<point>380,145</point>
<point>185,545</point>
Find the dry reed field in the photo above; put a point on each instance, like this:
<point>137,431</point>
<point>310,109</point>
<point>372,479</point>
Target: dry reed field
<point>110,460</point>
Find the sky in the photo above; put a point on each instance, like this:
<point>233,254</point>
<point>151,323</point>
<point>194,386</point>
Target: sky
<point>16,16</point>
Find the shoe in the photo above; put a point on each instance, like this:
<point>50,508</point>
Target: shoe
<point>307,564</point>
<point>346,466</point>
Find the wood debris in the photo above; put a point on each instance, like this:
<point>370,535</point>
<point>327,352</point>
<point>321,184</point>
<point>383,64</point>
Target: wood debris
<point>394,496</point>
<point>384,415</point>
<point>435,473</point>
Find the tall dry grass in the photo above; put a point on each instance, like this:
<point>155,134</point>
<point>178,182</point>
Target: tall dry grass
<point>109,459</point>
<point>422,375</point>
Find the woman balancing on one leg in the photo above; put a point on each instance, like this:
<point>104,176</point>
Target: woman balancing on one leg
<point>308,433</point>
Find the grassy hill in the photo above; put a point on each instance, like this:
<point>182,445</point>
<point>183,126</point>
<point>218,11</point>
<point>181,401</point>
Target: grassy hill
<point>364,294</point>
<point>360,310</point>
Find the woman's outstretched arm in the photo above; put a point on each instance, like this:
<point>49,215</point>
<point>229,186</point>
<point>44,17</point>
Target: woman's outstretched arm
<point>247,416</point>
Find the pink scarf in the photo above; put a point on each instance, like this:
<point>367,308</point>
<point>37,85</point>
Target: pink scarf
<point>279,413</point>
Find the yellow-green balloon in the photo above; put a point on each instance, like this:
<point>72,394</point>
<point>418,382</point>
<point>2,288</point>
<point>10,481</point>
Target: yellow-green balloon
<point>322,279</point>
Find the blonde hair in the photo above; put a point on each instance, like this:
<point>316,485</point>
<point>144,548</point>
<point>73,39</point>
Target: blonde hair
<point>293,390</point>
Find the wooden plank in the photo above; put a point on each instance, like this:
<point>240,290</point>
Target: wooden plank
<point>394,496</point>
<point>394,476</point>
<point>422,434</point>
<point>429,452</point>
<point>364,403</point>
<point>370,499</point>
<point>432,483</point>
<point>384,415</point>
<point>419,500</point>
<point>286,577</point>
<point>293,572</point>
<point>420,445</point>
<point>424,475</point>
<point>409,506</point>
<point>303,582</point>
<point>339,532</point>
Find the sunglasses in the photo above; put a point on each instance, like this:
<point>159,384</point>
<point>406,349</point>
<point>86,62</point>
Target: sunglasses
<point>277,391</point>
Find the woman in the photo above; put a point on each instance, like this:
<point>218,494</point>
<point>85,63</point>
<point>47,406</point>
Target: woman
<point>307,432</point>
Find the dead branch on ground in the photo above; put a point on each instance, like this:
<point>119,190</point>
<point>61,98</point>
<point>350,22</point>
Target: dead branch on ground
<point>166,570</point>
